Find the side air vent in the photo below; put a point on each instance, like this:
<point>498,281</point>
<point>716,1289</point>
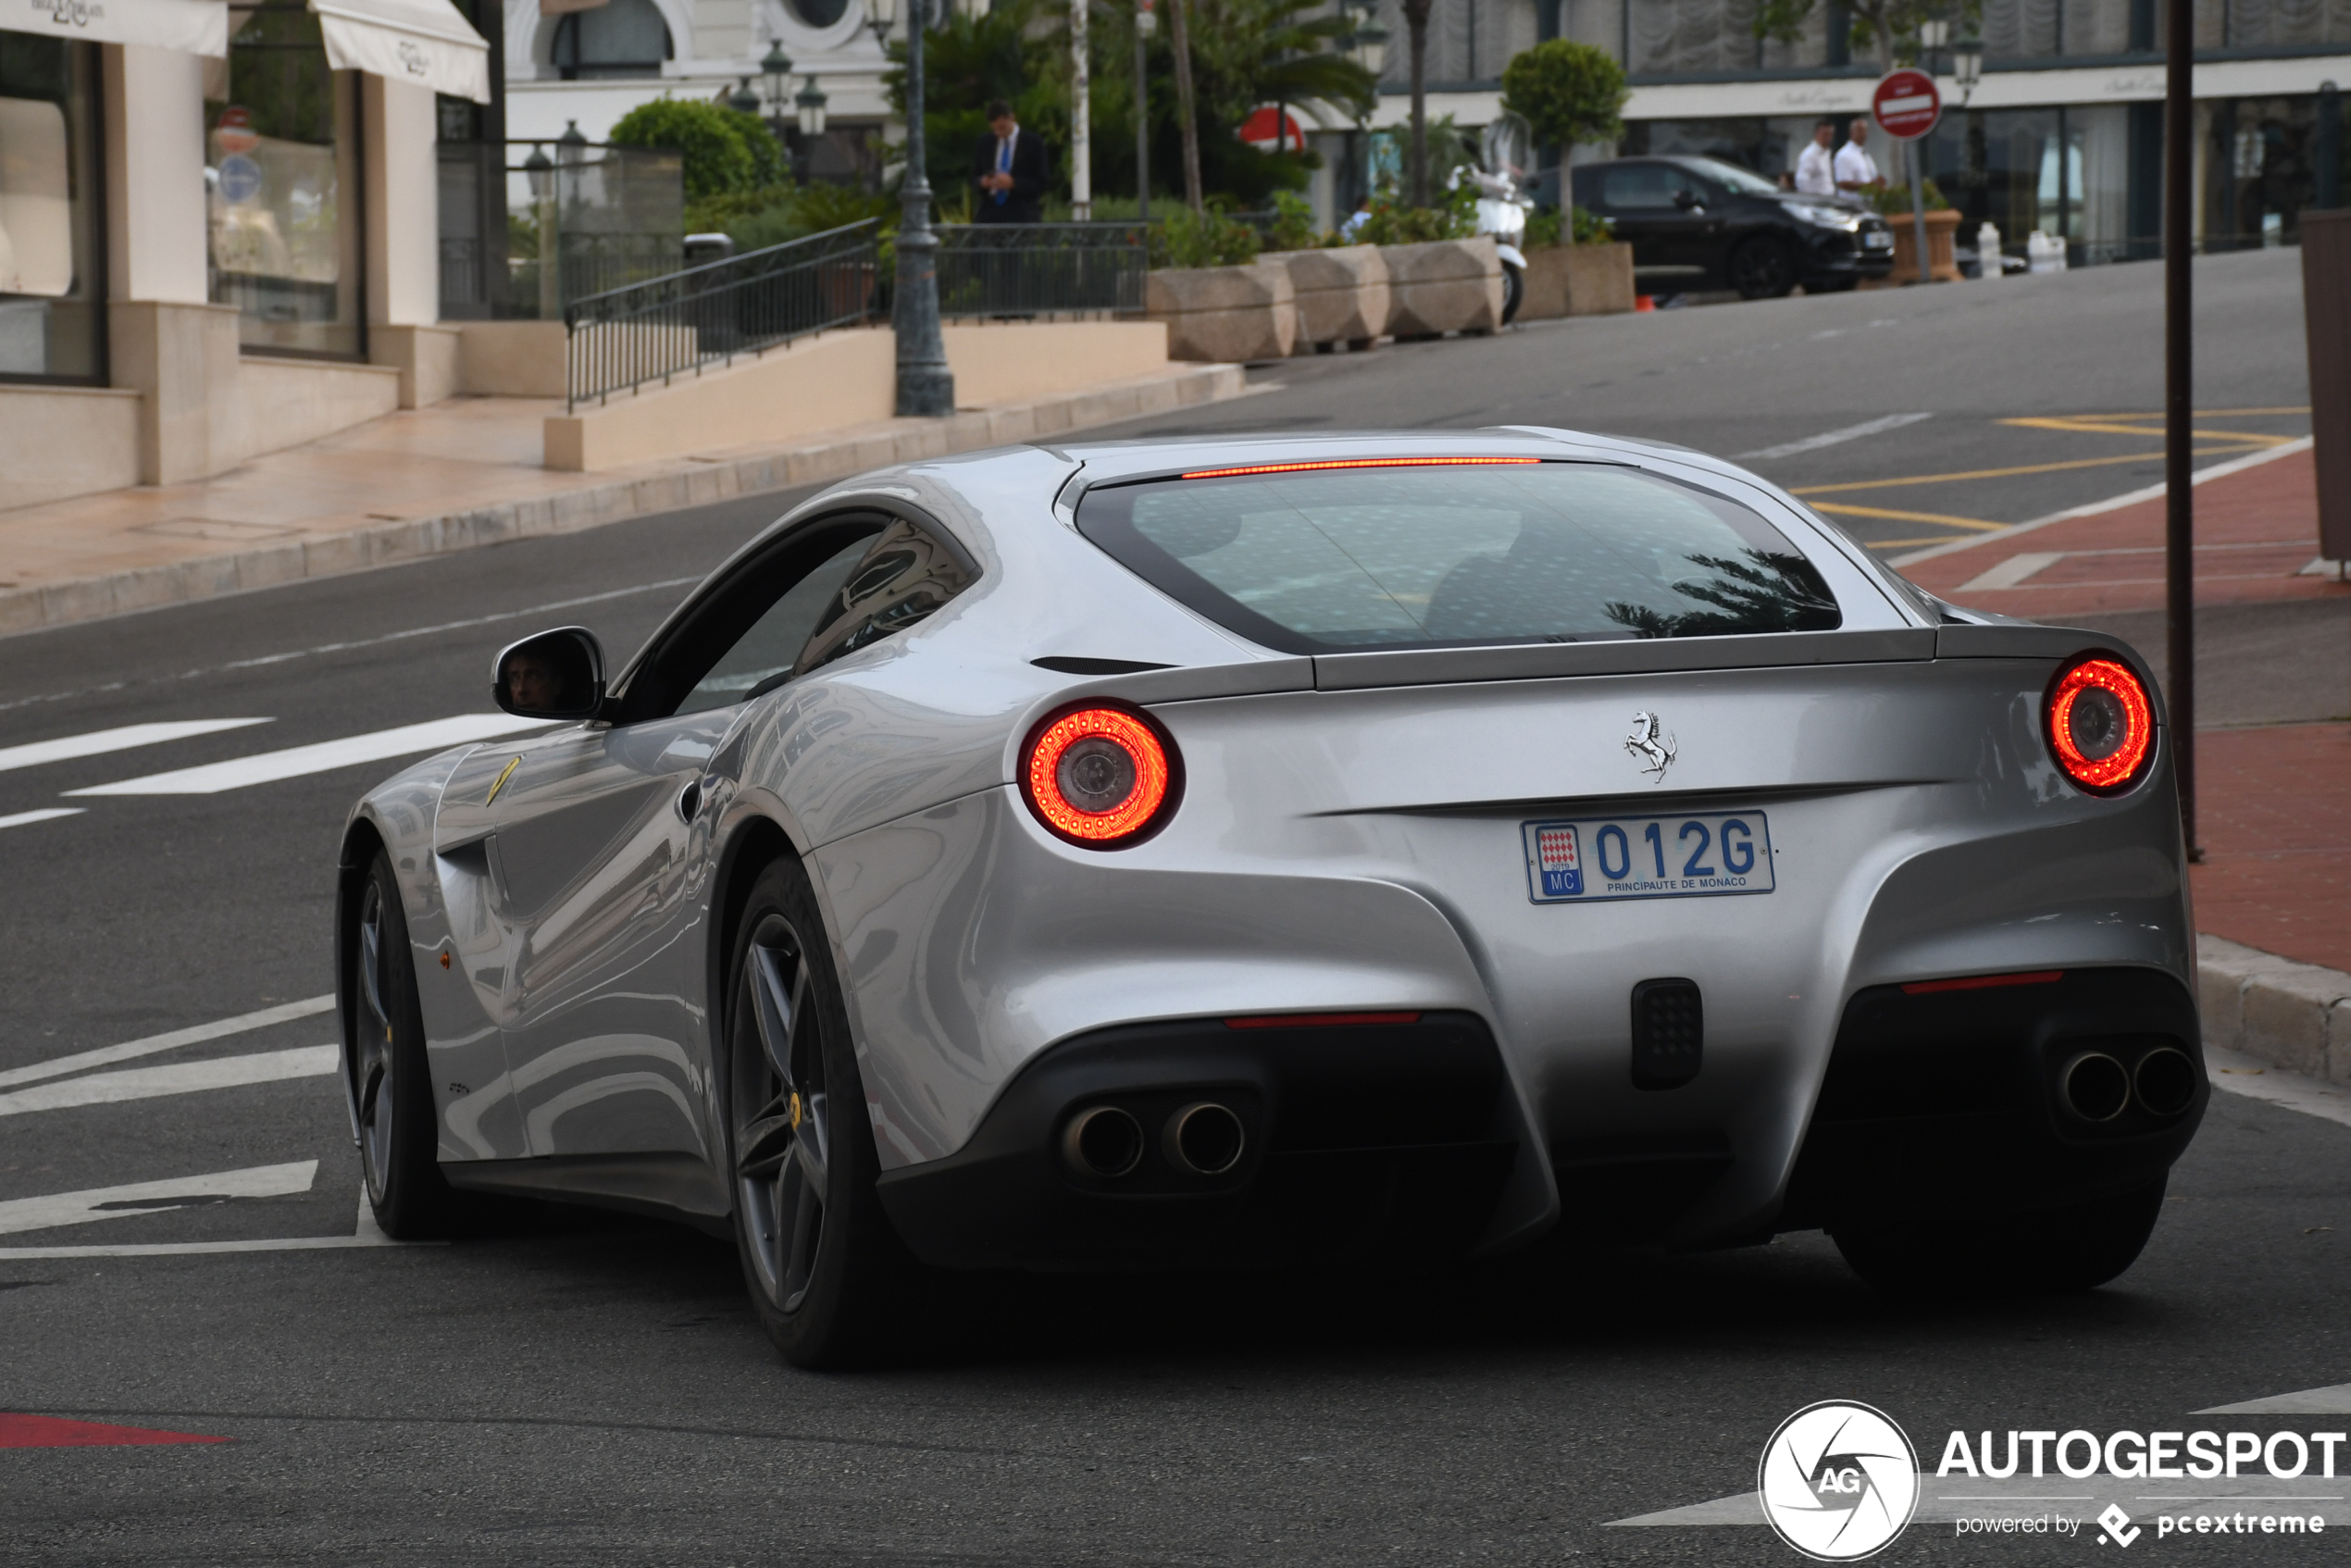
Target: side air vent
<point>1669,1033</point>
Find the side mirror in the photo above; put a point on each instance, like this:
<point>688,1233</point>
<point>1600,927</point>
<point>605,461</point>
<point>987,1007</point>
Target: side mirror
<point>557,675</point>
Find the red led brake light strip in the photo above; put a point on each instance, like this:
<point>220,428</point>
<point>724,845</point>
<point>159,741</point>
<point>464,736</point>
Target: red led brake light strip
<point>1359,463</point>
<point>1985,982</point>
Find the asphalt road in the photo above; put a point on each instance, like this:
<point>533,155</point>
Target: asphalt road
<point>587,1388</point>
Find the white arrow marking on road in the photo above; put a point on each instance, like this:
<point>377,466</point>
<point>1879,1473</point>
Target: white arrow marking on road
<point>48,814</point>
<point>180,1077</point>
<point>325,755</point>
<point>366,1233</point>
<point>117,739</point>
<point>148,1197</point>
<point>2011,572</point>
<point>1833,437</point>
<point>151,1044</point>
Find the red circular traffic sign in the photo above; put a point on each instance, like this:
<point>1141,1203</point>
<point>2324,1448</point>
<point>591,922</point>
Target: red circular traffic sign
<point>1906,105</point>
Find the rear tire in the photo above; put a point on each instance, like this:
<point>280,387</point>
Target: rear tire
<point>825,1270</point>
<point>392,1083</point>
<point>1513,294</point>
<point>1762,268</point>
<point>2079,1247</point>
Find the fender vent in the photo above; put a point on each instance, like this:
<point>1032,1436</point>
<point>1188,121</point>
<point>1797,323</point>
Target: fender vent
<point>1669,1033</point>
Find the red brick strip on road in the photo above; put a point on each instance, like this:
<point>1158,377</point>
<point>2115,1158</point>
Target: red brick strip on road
<point>56,1431</point>
<point>2274,801</point>
<point>2256,528</point>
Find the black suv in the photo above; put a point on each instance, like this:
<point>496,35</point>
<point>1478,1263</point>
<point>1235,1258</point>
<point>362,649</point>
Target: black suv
<point>1700,223</point>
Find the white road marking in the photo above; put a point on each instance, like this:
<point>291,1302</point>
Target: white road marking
<point>99,741</point>
<point>2011,572</point>
<point>149,1197</point>
<point>47,813</point>
<point>367,1233</point>
<point>2334,1400</point>
<point>178,1077</point>
<point>296,761</point>
<point>106,1056</point>
<point>1835,438</point>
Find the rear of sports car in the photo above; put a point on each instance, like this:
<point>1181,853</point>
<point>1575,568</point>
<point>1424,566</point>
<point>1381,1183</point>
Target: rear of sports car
<point>1615,851</point>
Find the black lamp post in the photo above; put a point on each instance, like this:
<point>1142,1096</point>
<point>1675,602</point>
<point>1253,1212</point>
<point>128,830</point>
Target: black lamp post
<point>925,387</point>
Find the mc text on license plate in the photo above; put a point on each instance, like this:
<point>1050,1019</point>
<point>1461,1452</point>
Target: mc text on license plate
<point>1695,855</point>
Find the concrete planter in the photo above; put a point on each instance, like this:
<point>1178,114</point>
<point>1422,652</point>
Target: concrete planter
<point>1941,264</point>
<point>1577,280</point>
<point>1342,296</point>
<point>1225,315</point>
<point>1445,286</point>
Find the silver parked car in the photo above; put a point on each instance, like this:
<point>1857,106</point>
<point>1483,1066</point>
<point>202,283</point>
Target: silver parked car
<point>1201,852</point>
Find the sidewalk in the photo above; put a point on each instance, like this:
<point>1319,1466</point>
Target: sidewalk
<point>458,475</point>
<point>2273,808</point>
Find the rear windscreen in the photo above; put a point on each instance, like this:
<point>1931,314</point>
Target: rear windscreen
<point>1417,557</point>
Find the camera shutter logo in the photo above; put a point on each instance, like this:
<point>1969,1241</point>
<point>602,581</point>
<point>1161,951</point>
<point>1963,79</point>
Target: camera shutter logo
<point>1839,1481</point>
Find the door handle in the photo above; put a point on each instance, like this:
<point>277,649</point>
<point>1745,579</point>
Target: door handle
<point>690,800</point>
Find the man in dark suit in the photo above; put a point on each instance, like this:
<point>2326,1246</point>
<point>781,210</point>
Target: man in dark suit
<point>1009,168</point>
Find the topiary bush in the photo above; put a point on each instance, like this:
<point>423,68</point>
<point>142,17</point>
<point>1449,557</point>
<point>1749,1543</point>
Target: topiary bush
<point>726,152</point>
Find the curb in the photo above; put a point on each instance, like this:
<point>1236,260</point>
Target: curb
<point>2293,1015</point>
<point>147,588</point>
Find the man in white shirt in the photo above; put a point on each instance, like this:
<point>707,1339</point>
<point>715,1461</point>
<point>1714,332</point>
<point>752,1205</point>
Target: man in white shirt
<point>1856,171</point>
<point>1816,170</point>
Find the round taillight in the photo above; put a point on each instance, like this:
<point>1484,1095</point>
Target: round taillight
<point>2101,725</point>
<point>1103,777</point>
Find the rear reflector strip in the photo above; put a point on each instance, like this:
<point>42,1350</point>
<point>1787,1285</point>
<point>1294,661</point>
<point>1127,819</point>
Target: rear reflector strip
<point>1985,982</point>
<point>1319,1020</point>
<point>1359,463</point>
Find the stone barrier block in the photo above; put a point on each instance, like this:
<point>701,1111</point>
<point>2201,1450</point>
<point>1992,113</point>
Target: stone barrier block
<point>1444,286</point>
<point>1229,315</point>
<point>1343,294</point>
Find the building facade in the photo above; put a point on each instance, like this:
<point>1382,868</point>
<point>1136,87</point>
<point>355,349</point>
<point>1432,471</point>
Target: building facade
<point>2063,135</point>
<point>217,228</point>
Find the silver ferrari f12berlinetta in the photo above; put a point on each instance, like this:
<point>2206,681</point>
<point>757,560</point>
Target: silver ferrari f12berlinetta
<point>1290,849</point>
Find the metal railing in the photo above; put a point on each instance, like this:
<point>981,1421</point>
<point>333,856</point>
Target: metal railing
<point>684,323</point>
<point>1025,270</point>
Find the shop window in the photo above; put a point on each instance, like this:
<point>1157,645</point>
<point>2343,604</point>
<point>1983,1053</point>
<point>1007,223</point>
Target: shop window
<point>282,172</point>
<point>620,38</point>
<point>52,314</point>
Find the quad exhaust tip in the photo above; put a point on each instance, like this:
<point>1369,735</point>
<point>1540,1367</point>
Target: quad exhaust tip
<point>2093,1086</point>
<point>1103,1141</point>
<point>1204,1139</point>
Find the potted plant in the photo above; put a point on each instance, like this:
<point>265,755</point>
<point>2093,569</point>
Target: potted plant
<point>1893,202</point>
<point>1575,266</point>
<point>1220,302</point>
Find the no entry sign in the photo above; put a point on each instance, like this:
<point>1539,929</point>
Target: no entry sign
<point>1906,105</point>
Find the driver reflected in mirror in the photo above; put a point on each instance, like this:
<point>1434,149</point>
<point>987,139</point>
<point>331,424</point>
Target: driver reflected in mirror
<point>534,682</point>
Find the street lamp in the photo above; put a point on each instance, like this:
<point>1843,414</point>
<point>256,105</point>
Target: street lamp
<point>743,100</point>
<point>925,387</point>
<point>810,101</point>
<point>1371,46</point>
<point>1967,65</point>
<point>773,69</point>
<point>539,171</point>
<point>1146,24</point>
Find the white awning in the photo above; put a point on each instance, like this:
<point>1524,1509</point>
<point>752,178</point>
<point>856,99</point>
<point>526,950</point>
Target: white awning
<point>191,27</point>
<point>424,42</point>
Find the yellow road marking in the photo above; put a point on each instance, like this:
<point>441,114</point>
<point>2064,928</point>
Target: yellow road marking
<point>2199,414</point>
<point>2010,473</point>
<point>1846,511</point>
<point>2083,425</point>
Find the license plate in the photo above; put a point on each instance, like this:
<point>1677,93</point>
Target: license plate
<point>1877,241</point>
<point>1701,855</point>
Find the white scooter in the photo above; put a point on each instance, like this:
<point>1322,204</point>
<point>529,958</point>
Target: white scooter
<point>1505,149</point>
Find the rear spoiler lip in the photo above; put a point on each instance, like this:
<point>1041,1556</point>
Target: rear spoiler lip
<point>1435,666</point>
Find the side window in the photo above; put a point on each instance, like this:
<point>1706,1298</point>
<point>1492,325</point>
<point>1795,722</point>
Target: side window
<point>763,656</point>
<point>1641,185</point>
<point>903,575</point>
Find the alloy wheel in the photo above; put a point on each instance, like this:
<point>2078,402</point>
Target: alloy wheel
<point>781,1153</point>
<point>375,1075</point>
